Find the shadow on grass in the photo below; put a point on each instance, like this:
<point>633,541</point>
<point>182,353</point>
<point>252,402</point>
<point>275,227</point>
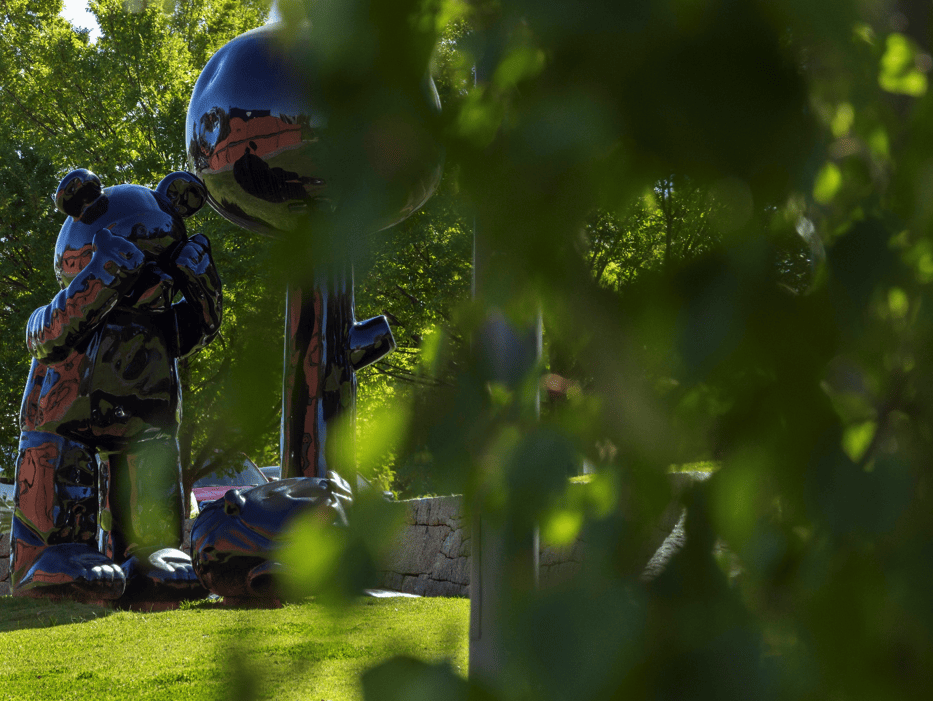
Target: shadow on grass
<point>17,613</point>
<point>204,651</point>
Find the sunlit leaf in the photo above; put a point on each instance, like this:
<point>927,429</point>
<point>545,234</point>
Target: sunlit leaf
<point>827,183</point>
<point>562,526</point>
<point>898,72</point>
<point>898,302</point>
<point>857,438</point>
<point>520,64</point>
<point>842,121</point>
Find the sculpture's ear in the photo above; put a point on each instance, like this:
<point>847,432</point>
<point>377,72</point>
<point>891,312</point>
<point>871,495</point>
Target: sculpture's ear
<point>186,193</point>
<point>77,191</point>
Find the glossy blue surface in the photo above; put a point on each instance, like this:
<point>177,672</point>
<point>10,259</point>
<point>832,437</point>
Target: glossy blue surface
<point>324,347</point>
<point>257,136</point>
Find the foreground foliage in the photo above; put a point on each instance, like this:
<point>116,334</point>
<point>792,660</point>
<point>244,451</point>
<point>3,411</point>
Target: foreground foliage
<point>805,378</point>
<point>65,650</point>
<point>808,383</point>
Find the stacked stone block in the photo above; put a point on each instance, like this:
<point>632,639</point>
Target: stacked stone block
<point>431,556</point>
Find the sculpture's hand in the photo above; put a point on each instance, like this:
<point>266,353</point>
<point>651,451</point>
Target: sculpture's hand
<point>168,564</point>
<point>198,315</point>
<point>165,574</point>
<point>194,253</point>
<point>74,570</point>
<point>55,330</point>
<point>109,245</point>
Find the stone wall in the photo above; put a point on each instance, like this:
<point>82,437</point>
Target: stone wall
<point>431,556</point>
<point>432,553</point>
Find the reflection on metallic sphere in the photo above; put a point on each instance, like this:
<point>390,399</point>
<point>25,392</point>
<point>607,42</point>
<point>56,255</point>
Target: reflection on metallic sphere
<point>257,136</point>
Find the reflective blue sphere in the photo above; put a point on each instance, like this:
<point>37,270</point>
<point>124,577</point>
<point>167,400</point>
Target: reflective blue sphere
<point>257,137</point>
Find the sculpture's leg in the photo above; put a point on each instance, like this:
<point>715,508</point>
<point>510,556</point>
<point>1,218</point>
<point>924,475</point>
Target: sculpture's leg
<point>53,550</point>
<point>141,492</point>
<point>303,427</point>
<point>324,347</point>
<point>320,385</point>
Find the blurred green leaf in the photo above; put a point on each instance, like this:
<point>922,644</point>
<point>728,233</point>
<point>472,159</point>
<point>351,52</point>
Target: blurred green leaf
<point>899,72</point>
<point>520,64</point>
<point>842,121</point>
<point>827,183</point>
<point>405,679</point>
<point>856,439</point>
<point>561,526</point>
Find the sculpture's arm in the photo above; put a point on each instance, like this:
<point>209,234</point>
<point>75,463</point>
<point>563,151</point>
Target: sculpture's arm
<point>56,329</point>
<point>369,341</point>
<point>198,315</point>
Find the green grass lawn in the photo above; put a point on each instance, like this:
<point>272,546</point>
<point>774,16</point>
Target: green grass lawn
<point>64,650</point>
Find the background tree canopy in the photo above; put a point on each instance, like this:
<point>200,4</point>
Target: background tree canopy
<point>113,105</point>
<point>660,179</point>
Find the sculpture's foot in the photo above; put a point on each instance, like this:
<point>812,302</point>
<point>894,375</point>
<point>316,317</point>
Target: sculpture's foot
<point>72,571</point>
<point>164,575</point>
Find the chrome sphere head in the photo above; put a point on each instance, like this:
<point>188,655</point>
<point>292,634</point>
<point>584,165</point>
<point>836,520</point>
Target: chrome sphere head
<point>257,137</point>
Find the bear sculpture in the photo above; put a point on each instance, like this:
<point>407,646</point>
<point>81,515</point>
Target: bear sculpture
<point>99,503</point>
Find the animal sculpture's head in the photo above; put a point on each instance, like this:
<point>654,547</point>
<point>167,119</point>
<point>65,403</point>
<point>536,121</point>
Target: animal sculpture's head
<point>235,539</point>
